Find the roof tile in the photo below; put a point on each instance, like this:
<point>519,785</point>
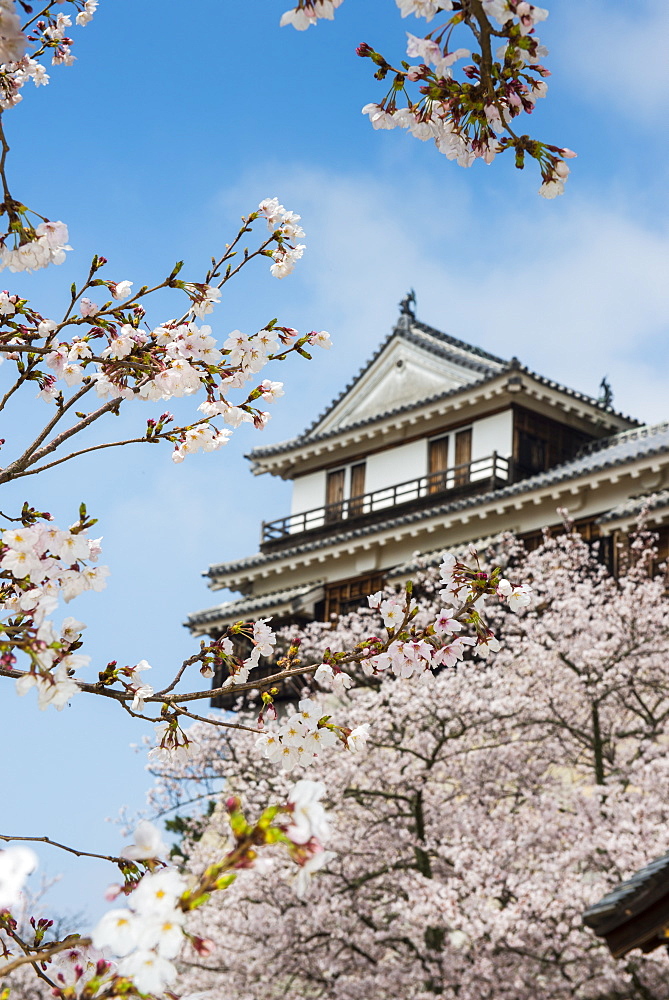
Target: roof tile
<point>613,451</point>
<point>488,365</point>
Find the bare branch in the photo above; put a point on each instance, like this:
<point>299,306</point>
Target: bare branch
<point>216,722</point>
<point>25,459</point>
<point>84,451</point>
<point>64,847</point>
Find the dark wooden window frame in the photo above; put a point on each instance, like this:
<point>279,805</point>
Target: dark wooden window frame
<point>437,461</point>
<point>541,443</point>
<point>335,494</point>
<point>357,477</point>
<point>463,455</point>
<point>343,596</point>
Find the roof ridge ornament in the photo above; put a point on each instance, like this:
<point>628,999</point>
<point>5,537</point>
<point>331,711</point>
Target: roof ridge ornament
<point>408,304</point>
<point>606,395</point>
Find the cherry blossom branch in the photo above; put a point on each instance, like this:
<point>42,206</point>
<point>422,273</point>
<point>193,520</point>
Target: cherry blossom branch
<point>483,37</point>
<point>16,520</point>
<point>168,435</point>
<point>29,349</point>
<point>23,377</point>
<point>215,722</point>
<point>162,436</point>
<point>35,456</point>
<point>175,700</point>
<point>36,17</point>
<point>64,847</point>
<point>230,273</point>
<point>86,451</point>
<point>8,203</point>
<point>25,948</point>
<point>24,460</point>
<point>31,456</point>
<point>468,119</point>
<point>195,658</point>
<point>171,700</point>
<point>352,657</point>
<point>44,954</point>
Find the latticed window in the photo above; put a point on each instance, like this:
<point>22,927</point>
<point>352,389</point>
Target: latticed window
<point>541,443</point>
<point>349,595</point>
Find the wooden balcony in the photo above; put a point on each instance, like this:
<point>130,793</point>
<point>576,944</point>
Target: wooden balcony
<point>478,476</point>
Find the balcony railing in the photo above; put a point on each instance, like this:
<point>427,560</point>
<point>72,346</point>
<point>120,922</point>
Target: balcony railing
<point>470,477</point>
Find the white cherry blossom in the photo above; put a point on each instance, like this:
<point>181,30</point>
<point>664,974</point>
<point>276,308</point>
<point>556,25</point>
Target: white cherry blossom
<point>309,818</point>
<point>117,930</point>
<point>357,739</point>
<point>317,861</point>
<point>158,892</point>
<point>121,289</point>
<point>148,843</point>
<point>151,973</point>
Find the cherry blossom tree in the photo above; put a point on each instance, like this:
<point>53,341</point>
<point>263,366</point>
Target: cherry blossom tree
<point>481,812</point>
<point>97,357</point>
<point>477,116</point>
<point>106,352</point>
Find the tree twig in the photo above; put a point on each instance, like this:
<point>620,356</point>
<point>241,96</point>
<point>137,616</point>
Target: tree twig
<point>64,847</point>
<point>42,956</point>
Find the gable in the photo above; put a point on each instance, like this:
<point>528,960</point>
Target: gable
<point>419,369</point>
<point>402,374</point>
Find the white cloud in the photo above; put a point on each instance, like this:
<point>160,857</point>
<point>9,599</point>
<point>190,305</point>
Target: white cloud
<point>615,53</point>
<point>575,289</point>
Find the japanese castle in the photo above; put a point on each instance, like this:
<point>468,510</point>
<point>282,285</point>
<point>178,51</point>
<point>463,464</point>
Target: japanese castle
<point>434,444</point>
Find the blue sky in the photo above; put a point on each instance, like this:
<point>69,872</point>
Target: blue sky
<point>168,129</point>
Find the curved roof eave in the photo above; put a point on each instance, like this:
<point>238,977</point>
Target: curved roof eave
<point>295,444</point>
<point>592,458</point>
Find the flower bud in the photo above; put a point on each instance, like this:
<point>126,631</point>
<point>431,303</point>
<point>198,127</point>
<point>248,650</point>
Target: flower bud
<point>203,946</point>
<point>112,892</point>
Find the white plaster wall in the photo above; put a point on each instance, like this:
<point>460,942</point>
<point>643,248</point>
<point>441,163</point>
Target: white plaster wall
<point>434,535</point>
<point>490,434</point>
<point>395,465</point>
<point>493,433</point>
<point>308,494</point>
<point>404,463</point>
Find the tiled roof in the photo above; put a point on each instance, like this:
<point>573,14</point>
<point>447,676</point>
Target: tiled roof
<point>629,898</point>
<point>411,329</point>
<point>626,439</point>
<point>420,560</point>
<point>634,506</point>
<point>244,606</point>
<point>574,393</point>
<point>446,338</point>
<point>613,451</point>
<point>308,438</point>
<point>488,371</point>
